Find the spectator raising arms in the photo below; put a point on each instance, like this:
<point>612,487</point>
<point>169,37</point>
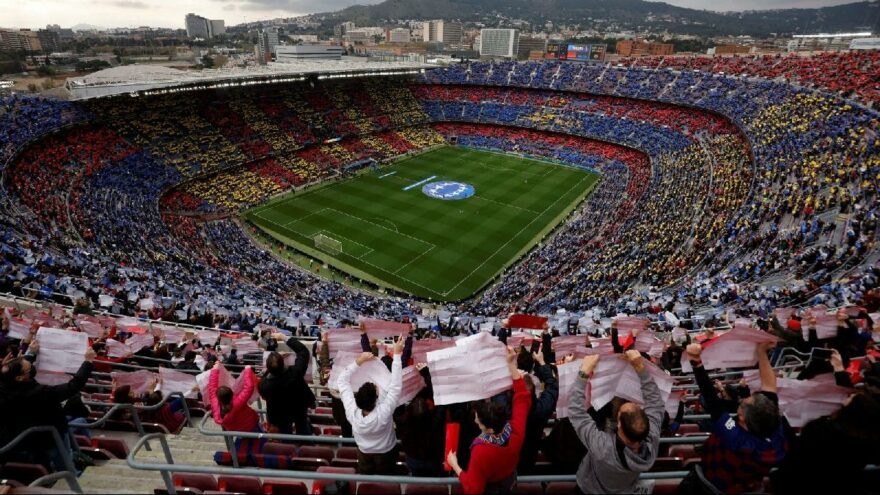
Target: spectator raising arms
<point>495,452</point>
<point>614,460</point>
<point>372,419</point>
<point>741,449</point>
<point>287,395</point>
<point>232,411</point>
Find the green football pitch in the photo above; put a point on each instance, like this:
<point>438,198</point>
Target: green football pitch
<point>381,227</point>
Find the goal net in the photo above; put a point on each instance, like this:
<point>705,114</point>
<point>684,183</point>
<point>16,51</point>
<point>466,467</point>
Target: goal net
<point>327,244</point>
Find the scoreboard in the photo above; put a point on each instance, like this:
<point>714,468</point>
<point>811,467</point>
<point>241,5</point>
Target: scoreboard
<point>576,52</point>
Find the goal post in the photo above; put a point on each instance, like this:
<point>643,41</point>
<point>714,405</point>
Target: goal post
<point>327,244</point>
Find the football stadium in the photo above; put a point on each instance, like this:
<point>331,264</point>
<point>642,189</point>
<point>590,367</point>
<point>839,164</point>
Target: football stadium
<point>653,275</point>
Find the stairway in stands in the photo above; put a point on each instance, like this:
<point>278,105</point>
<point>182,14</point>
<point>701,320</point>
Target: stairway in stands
<point>189,447</point>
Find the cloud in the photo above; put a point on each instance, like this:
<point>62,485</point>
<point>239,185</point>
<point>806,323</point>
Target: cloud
<point>739,5</point>
<point>126,4</point>
<point>300,5</point>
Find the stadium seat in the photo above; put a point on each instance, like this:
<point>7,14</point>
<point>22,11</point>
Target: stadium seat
<point>239,484</point>
<point>378,489</point>
<point>198,481</point>
<point>24,473</point>
<point>325,453</point>
<point>277,448</point>
<point>666,487</point>
<point>308,463</point>
<point>284,487</point>
<point>666,464</point>
<point>529,489</point>
<point>347,453</point>
<point>685,428</point>
<point>337,462</point>
<point>683,451</point>
<point>560,488</point>
<point>420,489</point>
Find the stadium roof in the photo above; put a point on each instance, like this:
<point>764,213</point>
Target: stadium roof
<point>150,79</point>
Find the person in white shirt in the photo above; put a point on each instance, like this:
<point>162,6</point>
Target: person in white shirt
<point>371,417</point>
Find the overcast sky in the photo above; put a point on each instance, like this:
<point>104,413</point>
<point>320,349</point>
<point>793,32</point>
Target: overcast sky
<point>170,13</point>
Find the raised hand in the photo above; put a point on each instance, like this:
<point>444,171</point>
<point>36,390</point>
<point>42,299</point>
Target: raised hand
<point>589,364</point>
<point>364,357</point>
<point>398,345</point>
<point>635,359</point>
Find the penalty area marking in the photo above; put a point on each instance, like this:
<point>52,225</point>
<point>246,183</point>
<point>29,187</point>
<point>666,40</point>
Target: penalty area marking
<point>386,175</point>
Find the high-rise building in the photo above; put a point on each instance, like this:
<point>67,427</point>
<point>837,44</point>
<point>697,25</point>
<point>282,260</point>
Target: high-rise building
<point>216,27</point>
<point>267,43</point>
<point>340,30</point>
<point>499,43</point>
<point>23,40</point>
<point>200,27</point>
<point>296,53</point>
<point>528,45</point>
<point>196,26</point>
<point>448,33</point>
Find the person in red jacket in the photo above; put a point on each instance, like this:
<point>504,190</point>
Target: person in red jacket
<point>232,411</point>
<point>495,453</point>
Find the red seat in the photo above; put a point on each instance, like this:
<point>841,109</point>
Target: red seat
<point>240,484</point>
<point>190,491</point>
<point>97,454</point>
<point>308,463</point>
<point>115,446</point>
<point>198,481</point>
<point>337,462</point>
<point>417,489</point>
<point>529,489</point>
<point>667,464</point>
<point>378,489</point>
<point>83,441</point>
<point>284,487</point>
<point>685,428</point>
<point>336,470</point>
<point>325,453</point>
<point>327,411</point>
<point>666,487</point>
<point>347,453</point>
<point>332,431</point>
<point>22,472</point>
<point>684,451</point>
<point>285,449</point>
<point>561,488</point>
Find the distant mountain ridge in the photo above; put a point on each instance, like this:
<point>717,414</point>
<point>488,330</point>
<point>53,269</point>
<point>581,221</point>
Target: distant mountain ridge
<point>627,14</point>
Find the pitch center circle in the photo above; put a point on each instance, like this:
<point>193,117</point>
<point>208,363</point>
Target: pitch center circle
<point>448,190</point>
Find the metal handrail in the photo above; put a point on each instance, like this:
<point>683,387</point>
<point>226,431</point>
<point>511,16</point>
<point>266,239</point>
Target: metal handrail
<point>170,467</point>
<point>69,473</point>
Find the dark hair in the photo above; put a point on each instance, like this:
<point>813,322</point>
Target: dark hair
<point>190,356</point>
<point>387,361</point>
<point>761,416</point>
<point>493,414</point>
<point>224,396</point>
<point>634,424</point>
<point>366,396</point>
<point>275,363</point>
<point>858,418</point>
<point>525,361</point>
<point>122,395</point>
<point>13,369</point>
<point>153,398</point>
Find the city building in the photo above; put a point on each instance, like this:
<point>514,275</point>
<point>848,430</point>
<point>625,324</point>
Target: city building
<point>637,48</point>
<point>295,53</point>
<point>216,27</point>
<point>528,45</point>
<point>398,35</point>
<point>20,40</point>
<point>341,29</point>
<point>448,33</point>
<point>499,43</point>
<point>267,43</point>
<point>200,27</point>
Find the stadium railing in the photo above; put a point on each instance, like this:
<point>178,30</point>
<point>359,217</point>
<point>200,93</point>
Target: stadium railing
<point>69,472</point>
<point>170,467</point>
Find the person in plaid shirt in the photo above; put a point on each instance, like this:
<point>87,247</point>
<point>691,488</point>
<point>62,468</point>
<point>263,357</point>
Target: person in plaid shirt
<point>742,448</point>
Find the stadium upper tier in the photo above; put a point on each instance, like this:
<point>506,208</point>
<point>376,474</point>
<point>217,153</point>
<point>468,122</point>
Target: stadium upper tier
<point>715,188</point>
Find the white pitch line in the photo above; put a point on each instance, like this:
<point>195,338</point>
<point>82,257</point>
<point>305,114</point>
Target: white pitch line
<point>513,237</point>
<point>412,260</point>
<point>507,205</point>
